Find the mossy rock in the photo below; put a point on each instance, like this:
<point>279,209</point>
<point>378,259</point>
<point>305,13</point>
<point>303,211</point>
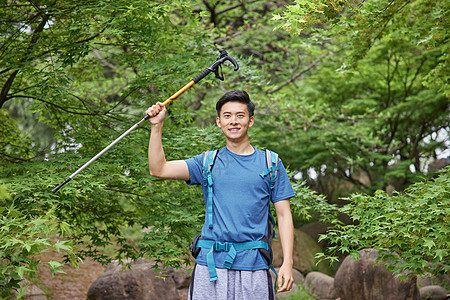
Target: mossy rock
<point>305,248</point>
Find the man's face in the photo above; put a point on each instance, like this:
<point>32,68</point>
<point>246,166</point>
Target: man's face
<point>234,120</point>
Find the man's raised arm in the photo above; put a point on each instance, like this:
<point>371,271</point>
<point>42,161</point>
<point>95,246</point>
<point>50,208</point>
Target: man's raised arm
<point>159,167</point>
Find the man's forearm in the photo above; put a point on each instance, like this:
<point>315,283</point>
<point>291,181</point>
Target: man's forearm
<point>156,156</point>
<point>286,229</point>
<point>157,164</point>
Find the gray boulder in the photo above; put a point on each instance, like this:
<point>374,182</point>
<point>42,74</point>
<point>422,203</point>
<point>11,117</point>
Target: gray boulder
<point>305,249</point>
<point>429,279</point>
<point>33,292</point>
<point>282,295</point>
<point>433,292</point>
<point>362,279</point>
<point>320,285</point>
<point>141,282</point>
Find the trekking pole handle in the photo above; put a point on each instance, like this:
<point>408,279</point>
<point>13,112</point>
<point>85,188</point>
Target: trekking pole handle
<point>224,56</point>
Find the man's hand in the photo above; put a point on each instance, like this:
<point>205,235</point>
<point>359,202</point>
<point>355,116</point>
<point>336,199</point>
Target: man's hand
<point>156,113</point>
<point>285,279</point>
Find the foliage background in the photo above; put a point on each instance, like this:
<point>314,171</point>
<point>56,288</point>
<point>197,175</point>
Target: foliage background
<point>353,95</point>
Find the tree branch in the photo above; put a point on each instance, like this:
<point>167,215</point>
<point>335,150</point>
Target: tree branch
<point>34,38</point>
<point>58,106</point>
<point>103,61</point>
<point>294,77</point>
<point>6,87</point>
<point>235,6</point>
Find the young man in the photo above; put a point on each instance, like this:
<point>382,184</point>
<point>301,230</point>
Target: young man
<point>239,211</point>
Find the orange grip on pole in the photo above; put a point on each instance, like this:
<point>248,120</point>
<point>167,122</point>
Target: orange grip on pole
<point>179,92</point>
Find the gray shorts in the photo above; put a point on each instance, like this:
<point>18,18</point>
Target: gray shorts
<point>231,284</point>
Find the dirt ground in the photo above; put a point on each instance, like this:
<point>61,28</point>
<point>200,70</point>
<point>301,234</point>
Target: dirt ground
<point>74,284</point>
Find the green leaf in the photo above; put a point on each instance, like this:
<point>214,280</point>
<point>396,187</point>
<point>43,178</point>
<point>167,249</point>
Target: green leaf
<point>429,243</point>
<point>21,270</point>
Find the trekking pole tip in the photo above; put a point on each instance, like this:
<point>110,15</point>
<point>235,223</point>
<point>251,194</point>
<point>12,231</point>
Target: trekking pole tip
<point>61,184</point>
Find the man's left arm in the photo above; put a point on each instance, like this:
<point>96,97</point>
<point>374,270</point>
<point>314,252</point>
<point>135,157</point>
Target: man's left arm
<point>286,235</point>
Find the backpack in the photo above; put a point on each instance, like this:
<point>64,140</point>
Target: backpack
<point>263,246</point>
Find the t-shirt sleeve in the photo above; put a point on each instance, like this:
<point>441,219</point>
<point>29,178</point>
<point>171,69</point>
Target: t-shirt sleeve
<point>283,188</point>
<point>195,165</point>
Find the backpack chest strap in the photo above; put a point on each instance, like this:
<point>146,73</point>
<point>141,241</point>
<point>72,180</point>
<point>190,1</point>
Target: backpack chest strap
<point>229,247</point>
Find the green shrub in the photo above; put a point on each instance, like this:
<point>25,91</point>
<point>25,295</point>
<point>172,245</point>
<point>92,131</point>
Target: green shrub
<point>410,230</point>
<point>22,239</point>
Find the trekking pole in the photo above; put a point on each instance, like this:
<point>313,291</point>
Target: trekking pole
<point>224,56</point>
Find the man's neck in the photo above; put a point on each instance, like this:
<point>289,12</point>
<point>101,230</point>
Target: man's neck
<point>243,148</point>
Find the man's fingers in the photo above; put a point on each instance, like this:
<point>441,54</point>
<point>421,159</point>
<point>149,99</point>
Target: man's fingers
<point>281,284</point>
<point>283,288</point>
<point>154,110</point>
<point>286,285</point>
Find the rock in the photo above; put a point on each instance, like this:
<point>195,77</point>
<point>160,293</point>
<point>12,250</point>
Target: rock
<point>315,229</point>
<point>433,292</point>
<point>141,282</point>
<point>429,279</point>
<point>298,277</point>
<point>288,293</point>
<point>424,281</point>
<point>320,285</point>
<point>362,279</point>
<point>305,248</point>
<point>33,292</point>
<point>438,164</point>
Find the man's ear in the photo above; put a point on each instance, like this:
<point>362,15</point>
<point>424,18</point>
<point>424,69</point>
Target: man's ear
<point>218,122</point>
<point>251,121</point>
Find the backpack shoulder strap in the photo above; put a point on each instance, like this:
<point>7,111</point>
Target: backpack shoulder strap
<point>208,163</point>
<point>208,159</point>
<point>272,167</point>
<point>272,162</point>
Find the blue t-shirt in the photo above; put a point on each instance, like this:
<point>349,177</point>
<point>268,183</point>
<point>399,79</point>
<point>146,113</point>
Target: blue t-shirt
<point>241,203</point>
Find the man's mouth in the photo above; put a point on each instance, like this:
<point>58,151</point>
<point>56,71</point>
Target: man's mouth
<point>233,129</point>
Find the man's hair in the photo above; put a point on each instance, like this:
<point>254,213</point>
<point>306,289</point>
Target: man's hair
<point>236,96</point>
